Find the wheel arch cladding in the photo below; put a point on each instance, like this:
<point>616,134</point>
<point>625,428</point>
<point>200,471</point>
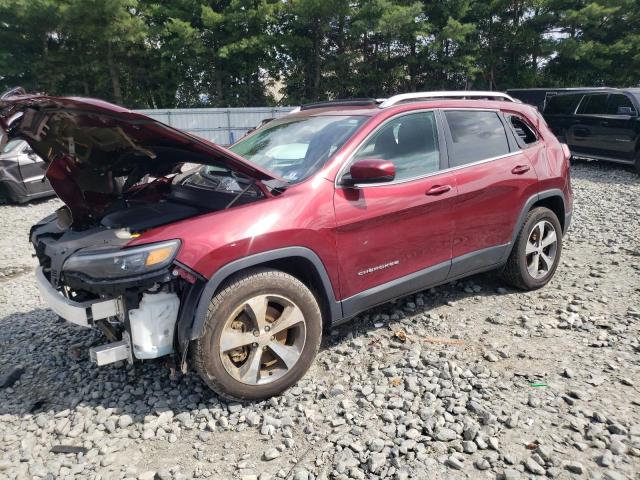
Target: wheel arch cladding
<point>552,199</point>
<point>555,203</point>
<point>300,262</point>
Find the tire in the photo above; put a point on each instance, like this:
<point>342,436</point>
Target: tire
<point>520,265</point>
<point>637,163</point>
<point>266,367</point>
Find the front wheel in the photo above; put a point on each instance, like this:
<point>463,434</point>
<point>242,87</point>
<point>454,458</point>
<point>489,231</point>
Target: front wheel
<point>536,253</point>
<point>261,335</point>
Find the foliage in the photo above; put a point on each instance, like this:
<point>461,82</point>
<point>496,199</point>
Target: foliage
<point>184,53</point>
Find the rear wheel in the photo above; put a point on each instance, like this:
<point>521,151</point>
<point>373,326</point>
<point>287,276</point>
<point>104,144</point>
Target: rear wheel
<point>637,163</point>
<point>536,253</point>
<point>261,335</point>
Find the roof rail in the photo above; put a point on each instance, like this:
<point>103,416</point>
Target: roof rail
<point>346,102</point>
<point>13,92</point>
<point>454,94</point>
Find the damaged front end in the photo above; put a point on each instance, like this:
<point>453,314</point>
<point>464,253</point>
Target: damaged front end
<point>134,295</point>
<point>120,175</point>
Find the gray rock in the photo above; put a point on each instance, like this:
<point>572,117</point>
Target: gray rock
<point>617,447</point>
<point>376,445</point>
<point>482,464</point>
<point>337,390</point>
<point>469,447</point>
<point>124,421</point>
<point>511,474</point>
<point>183,417</point>
<point>11,376</point>
<point>455,462</point>
<point>612,475</point>
<point>545,452</point>
<point>532,466</point>
<point>376,462</point>
<point>470,431</point>
<point>490,357</point>
<point>301,474</point>
<point>412,434</point>
<point>271,454</point>
<point>606,459</point>
<point>575,467</point>
<point>446,435</point>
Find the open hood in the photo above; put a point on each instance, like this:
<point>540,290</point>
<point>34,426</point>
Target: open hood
<point>95,150</point>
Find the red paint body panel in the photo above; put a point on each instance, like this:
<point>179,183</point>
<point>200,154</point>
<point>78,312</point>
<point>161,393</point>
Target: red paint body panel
<point>490,199</point>
<point>399,223</point>
<point>302,216</point>
<point>396,226</point>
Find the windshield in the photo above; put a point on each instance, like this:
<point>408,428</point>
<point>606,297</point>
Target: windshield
<point>296,148</point>
<point>12,145</point>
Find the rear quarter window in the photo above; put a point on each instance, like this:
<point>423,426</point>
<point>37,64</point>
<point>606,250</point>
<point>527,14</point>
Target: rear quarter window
<point>525,133</point>
<point>620,104</point>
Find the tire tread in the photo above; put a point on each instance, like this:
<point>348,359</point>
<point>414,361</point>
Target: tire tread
<point>511,272</point>
<point>231,285</point>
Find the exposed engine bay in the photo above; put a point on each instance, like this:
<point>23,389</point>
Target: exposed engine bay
<point>148,205</point>
<point>121,174</point>
<point>79,261</point>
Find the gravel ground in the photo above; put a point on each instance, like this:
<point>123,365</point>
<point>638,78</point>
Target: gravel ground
<point>468,380</point>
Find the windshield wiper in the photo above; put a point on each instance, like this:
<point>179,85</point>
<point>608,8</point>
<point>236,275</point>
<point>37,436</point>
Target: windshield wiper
<point>242,192</point>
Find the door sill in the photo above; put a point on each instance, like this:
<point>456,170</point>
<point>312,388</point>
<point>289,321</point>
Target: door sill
<point>579,156</point>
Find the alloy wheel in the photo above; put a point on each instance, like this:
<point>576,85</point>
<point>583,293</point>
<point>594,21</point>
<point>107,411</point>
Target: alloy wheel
<point>262,339</point>
<point>542,246</point>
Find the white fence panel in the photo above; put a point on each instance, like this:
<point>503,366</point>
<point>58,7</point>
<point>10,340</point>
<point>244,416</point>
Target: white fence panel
<point>220,125</point>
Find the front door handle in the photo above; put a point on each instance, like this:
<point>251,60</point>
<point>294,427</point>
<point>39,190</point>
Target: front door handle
<point>438,189</point>
<point>520,169</point>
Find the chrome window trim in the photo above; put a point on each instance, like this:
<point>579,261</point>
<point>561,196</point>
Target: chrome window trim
<point>347,162</point>
<point>432,174</point>
<point>575,111</point>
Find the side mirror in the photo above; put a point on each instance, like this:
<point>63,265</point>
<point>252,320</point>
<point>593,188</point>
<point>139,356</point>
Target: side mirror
<point>625,111</point>
<point>371,171</point>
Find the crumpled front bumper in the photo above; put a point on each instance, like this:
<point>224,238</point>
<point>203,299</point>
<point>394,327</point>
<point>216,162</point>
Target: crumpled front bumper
<point>79,313</point>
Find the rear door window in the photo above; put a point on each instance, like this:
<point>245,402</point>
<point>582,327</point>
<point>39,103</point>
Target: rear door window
<point>562,104</point>
<point>593,104</point>
<point>475,136</point>
<point>620,104</point>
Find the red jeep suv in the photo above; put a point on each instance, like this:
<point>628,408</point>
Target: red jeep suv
<point>234,261</point>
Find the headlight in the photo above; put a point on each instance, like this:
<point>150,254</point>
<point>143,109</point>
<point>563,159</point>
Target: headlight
<point>123,263</point>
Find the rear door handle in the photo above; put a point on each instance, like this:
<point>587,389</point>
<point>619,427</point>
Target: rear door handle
<point>520,169</point>
<point>438,189</point>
